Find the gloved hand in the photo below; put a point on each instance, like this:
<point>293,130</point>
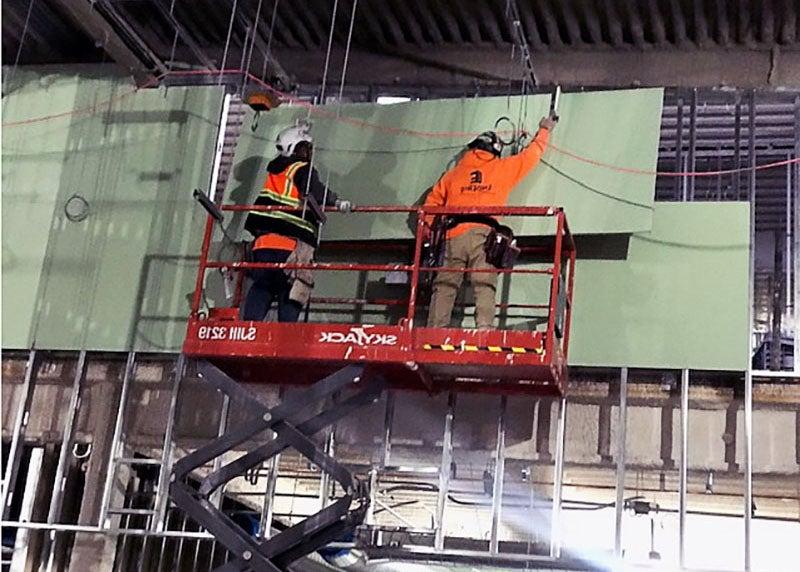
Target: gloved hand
<point>343,206</point>
<point>548,122</point>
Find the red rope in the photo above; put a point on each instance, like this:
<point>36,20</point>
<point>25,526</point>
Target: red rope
<point>322,112</point>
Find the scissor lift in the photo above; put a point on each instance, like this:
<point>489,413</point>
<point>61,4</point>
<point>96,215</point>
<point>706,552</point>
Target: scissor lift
<point>357,362</point>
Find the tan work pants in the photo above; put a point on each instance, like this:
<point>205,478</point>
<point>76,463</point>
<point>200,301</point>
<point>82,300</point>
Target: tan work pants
<point>464,251</point>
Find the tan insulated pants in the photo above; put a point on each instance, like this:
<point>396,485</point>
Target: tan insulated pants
<point>464,251</point>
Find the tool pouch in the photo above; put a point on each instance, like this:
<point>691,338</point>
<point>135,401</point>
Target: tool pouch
<point>501,247</point>
<point>433,250</point>
<point>301,280</point>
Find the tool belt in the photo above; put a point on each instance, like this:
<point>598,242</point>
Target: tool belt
<point>500,247</point>
<point>301,280</point>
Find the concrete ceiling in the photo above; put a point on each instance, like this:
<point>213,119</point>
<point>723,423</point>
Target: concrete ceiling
<point>745,43</point>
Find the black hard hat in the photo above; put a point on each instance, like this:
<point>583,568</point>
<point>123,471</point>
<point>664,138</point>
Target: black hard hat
<point>487,141</point>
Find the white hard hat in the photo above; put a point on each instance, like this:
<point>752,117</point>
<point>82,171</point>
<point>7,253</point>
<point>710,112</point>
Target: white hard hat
<point>288,139</point>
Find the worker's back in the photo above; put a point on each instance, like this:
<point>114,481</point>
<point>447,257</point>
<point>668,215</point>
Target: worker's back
<point>480,179</point>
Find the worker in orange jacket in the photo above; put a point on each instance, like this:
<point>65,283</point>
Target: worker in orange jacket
<point>481,178</point>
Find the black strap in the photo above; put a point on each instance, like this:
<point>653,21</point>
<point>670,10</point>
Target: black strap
<point>453,221</point>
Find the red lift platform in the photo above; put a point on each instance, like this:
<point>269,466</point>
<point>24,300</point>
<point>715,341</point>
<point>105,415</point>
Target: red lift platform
<point>406,355</point>
<point>349,366</point>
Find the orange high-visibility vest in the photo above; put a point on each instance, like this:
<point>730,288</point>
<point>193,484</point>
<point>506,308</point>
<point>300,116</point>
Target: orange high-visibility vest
<point>280,190</point>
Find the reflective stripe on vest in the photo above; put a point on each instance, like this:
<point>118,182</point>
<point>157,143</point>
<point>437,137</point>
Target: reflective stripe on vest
<point>289,195</point>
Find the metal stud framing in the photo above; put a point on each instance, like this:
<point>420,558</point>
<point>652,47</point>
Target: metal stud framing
<point>20,424</point>
<point>621,440</point>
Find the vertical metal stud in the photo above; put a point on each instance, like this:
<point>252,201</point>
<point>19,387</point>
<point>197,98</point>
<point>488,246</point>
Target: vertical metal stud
<point>737,138</point>
<point>325,478</point>
<point>558,477</point>
<point>114,451</point>
<point>216,496</point>
<point>684,465</point>
<point>499,474</point>
<point>444,472</point>
<point>748,466</point>
<point>621,436</point>
<point>18,437</point>
<point>373,495</point>
<point>679,181</point>
<point>268,508</point>
<point>49,549</point>
<point>388,420</point>
<point>691,159</point>
<point>748,378</point>
<point>796,237</point>
<point>162,492</point>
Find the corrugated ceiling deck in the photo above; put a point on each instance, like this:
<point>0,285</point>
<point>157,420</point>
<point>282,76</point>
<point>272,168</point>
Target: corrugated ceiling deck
<point>381,24</point>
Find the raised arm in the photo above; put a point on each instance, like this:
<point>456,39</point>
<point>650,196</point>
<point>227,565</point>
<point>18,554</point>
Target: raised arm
<point>519,165</point>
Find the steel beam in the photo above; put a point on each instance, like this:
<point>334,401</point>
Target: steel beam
<point>85,15</point>
<point>264,47</point>
<point>187,37</point>
<point>621,437</point>
<point>412,65</point>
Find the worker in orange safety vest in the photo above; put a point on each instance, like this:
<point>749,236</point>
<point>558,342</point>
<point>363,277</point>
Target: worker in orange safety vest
<point>286,236</point>
<point>481,178</point>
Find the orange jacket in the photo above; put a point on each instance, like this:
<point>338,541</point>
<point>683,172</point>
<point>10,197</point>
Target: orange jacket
<point>480,179</point>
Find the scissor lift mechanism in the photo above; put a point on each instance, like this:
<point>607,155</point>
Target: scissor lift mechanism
<point>508,361</point>
<point>291,430</point>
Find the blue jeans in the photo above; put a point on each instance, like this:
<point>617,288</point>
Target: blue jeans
<point>270,285</point>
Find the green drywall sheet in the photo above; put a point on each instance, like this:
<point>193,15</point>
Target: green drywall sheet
<point>678,300</point>
<point>121,278</point>
<point>381,166</point>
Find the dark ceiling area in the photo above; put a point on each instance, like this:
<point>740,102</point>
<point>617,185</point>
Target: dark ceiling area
<point>451,48</point>
<point>421,42</point>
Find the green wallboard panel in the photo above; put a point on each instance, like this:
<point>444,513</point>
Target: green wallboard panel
<point>121,278</point>
<point>678,300</point>
<point>33,158</point>
<point>378,167</point>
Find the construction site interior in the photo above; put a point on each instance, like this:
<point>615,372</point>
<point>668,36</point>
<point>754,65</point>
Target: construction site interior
<point>635,403</point>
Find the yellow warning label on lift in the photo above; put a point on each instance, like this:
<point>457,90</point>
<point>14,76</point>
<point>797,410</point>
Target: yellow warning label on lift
<point>472,348</point>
